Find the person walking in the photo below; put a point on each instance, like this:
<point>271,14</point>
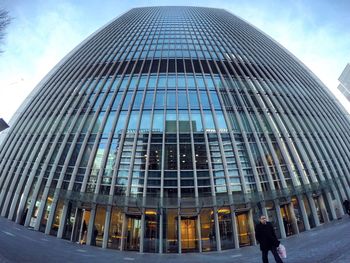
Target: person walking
<point>265,235</point>
<point>84,234</point>
<point>94,235</point>
<point>346,204</point>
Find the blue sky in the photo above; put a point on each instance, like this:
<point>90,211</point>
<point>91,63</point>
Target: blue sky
<point>43,32</point>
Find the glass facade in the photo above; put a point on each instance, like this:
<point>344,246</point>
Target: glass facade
<point>170,130</point>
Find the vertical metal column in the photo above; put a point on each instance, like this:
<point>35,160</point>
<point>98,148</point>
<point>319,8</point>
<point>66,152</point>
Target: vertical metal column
<point>234,224</point>
<point>124,228</point>
<point>217,228</point>
<point>252,226</point>
<point>303,212</point>
<point>107,226</point>
<point>91,226</point>
<point>142,232</point>
<point>294,222</point>
<point>313,208</point>
<point>279,218</point>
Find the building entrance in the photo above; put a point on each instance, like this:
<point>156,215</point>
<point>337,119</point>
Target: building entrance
<point>243,229</point>
<point>80,227</point>
<point>318,209</point>
<point>133,232</point>
<point>189,237</point>
<point>287,220</point>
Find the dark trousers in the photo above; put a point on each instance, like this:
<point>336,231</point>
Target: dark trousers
<point>274,253</point>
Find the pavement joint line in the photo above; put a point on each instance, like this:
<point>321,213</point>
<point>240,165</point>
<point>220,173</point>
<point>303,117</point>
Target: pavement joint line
<point>236,256</point>
<point>128,259</point>
<point>8,233</point>
<point>81,250</point>
<point>88,255</point>
<point>32,239</point>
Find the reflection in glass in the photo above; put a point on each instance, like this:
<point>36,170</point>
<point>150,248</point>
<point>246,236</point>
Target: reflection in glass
<point>151,235</point>
<point>243,229</point>
<point>209,122</point>
<point>133,120</point>
<point>225,225</point>
<point>170,228</point>
<point>115,229</point>
<point>189,236</point>
<point>145,120</point>
<point>184,122</point>
<point>170,123</point>
<point>196,121</point>
<point>208,234</point>
<point>158,117</point>
<point>98,227</point>
<point>133,233</point>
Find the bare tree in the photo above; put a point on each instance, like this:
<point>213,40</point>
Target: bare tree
<point>4,22</point>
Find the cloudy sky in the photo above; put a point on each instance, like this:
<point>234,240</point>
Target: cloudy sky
<point>42,32</point>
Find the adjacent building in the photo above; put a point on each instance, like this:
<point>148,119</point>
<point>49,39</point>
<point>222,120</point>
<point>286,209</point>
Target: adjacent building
<point>344,79</point>
<point>3,125</point>
<point>170,130</point>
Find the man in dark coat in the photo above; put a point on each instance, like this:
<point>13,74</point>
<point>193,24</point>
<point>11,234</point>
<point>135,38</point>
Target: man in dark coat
<point>265,235</point>
<point>346,204</point>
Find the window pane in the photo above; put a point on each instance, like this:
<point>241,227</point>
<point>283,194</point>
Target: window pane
<point>158,120</point>
<point>221,120</point>
<point>133,120</point>
<point>196,121</point>
<point>170,125</point>
<point>182,100</point>
<point>184,123</point>
<point>121,122</point>
<point>209,122</point>
<point>148,100</point>
<point>193,100</point>
<point>171,99</point>
<point>146,120</point>
<point>160,99</point>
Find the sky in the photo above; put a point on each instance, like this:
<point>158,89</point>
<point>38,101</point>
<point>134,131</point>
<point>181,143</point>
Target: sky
<point>42,32</point>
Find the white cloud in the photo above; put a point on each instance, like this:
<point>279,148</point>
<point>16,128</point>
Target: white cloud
<point>34,47</point>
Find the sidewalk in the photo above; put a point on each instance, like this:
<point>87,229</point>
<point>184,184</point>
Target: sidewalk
<point>329,243</point>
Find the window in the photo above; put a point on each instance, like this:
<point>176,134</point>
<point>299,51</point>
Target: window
<point>145,120</point>
<point>158,120</point>
<point>133,120</point>
<point>209,122</point>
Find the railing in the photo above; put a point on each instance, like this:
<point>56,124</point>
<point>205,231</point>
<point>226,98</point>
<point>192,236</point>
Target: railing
<point>199,202</point>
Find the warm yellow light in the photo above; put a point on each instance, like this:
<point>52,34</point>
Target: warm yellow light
<point>151,213</point>
<point>224,211</point>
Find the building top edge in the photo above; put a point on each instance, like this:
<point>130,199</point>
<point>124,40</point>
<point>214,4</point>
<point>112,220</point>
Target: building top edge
<point>175,6</point>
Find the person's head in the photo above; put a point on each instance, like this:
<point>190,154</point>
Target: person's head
<point>263,219</point>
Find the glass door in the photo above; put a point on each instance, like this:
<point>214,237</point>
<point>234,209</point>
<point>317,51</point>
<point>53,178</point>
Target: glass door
<point>151,231</point>
<point>81,225</point>
<point>287,220</point>
<point>298,214</point>
<point>243,229</point>
<point>318,209</point>
<point>189,237</point>
<point>133,232</point>
<point>225,227</point>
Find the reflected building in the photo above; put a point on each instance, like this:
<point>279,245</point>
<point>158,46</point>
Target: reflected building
<point>170,130</point>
